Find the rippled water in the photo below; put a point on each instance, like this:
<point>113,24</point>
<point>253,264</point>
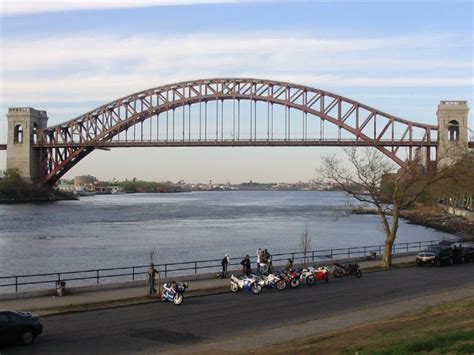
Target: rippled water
<point>118,230</point>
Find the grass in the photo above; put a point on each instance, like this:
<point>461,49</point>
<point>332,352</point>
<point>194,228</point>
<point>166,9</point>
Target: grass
<point>447,329</point>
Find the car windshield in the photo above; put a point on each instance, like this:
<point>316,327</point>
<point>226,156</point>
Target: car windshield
<point>432,250</point>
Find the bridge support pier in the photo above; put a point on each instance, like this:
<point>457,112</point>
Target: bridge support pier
<point>452,132</point>
<point>23,126</point>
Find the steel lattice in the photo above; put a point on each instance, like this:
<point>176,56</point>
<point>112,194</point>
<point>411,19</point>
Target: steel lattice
<point>66,144</point>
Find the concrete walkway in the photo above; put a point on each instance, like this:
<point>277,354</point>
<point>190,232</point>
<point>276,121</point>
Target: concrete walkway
<point>132,295</point>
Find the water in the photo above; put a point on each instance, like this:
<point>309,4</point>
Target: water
<point>120,230</point>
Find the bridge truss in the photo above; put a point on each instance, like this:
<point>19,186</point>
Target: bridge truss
<point>229,112</point>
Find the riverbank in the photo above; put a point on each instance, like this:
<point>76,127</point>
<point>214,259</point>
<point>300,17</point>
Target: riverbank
<point>438,219</point>
<point>39,198</point>
<point>433,217</point>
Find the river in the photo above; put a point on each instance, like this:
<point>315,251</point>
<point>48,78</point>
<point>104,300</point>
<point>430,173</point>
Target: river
<point>120,230</point>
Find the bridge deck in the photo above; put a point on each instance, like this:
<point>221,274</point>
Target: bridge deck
<point>333,143</point>
<point>243,143</point>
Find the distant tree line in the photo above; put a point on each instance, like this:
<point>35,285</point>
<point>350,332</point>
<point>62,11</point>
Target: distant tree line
<point>147,186</point>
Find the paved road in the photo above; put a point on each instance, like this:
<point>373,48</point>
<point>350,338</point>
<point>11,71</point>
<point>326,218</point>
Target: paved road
<point>159,327</point>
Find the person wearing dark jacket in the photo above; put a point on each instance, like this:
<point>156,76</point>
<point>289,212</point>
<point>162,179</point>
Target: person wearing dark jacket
<point>289,265</point>
<point>225,263</point>
<point>246,265</point>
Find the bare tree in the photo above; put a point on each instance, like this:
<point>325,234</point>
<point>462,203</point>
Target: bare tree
<point>363,181</point>
<point>305,244</point>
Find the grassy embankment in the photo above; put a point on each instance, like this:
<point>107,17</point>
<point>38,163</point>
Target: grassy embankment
<point>444,329</point>
<point>13,189</point>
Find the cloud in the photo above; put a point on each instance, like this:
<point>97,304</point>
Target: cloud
<point>85,67</point>
<point>19,7</point>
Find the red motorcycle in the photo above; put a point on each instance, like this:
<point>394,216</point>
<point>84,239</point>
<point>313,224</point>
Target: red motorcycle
<point>320,274</point>
<point>291,277</point>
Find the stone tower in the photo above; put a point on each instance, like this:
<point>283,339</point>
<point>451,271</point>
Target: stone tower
<point>453,133</point>
<point>23,125</point>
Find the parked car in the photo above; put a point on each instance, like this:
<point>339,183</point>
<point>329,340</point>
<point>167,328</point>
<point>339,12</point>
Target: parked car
<point>436,255</point>
<point>19,326</point>
<point>461,252</point>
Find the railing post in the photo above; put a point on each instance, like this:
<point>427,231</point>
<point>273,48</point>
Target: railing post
<point>166,270</point>
<point>16,283</point>
<point>133,273</point>
<point>312,256</point>
<point>365,250</point>
<point>407,247</point>
<point>380,249</point>
<point>293,256</point>
<point>348,252</point>
<point>195,267</point>
<point>332,254</point>
<point>97,277</point>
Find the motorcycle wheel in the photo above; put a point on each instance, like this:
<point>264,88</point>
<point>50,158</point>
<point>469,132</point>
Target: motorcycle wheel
<point>256,288</point>
<point>234,287</point>
<point>338,273</point>
<point>438,263</point>
<point>310,281</point>
<point>163,298</point>
<point>295,283</point>
<point>178,299</point>
<point>281,285</point>
<point>358,273</point>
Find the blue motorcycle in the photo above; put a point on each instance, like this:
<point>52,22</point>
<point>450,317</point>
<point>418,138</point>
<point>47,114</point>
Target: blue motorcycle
<point>248,283</point>
<point>173,292</point>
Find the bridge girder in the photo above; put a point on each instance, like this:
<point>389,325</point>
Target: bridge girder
<point>66,144</point>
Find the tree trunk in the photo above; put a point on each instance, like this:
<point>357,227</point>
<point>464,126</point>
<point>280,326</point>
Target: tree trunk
<point>387,251</point>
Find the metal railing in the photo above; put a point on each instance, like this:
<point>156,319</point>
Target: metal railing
<point>134,273</point>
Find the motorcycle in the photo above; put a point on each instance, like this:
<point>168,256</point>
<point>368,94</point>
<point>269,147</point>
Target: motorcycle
<point>347,269</point>
<point>248,283</point>
<point>173,292</point>
<point>291,277</point>
<point>274,281</point>
<point>307,276</point>
<point>319,274</point>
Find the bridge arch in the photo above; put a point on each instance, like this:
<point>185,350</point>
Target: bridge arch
<point>66,144</point>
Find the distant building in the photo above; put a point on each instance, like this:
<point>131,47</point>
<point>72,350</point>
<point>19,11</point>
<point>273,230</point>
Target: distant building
<point>66,186</point>
<point>85,180</point>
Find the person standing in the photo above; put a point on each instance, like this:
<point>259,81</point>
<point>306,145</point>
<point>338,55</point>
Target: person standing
<point>151,279</point>
<point>246,265</point>
<point>267,256</point>
<point>259,256</point>
<point>225,263</point>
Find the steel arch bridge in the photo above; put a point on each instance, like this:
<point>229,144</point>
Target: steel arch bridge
<point>148,118</point>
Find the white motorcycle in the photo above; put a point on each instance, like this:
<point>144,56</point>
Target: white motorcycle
<point>274,281</point>
<point>247,283</point>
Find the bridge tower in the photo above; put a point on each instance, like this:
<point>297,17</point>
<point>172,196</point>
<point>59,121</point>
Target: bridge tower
<point>452,131</point>
<point>23,126</point>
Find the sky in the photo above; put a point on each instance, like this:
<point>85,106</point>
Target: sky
<point>68,57</point>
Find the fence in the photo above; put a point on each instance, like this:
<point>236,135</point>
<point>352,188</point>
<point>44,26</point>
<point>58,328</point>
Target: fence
<point>133,273</point>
